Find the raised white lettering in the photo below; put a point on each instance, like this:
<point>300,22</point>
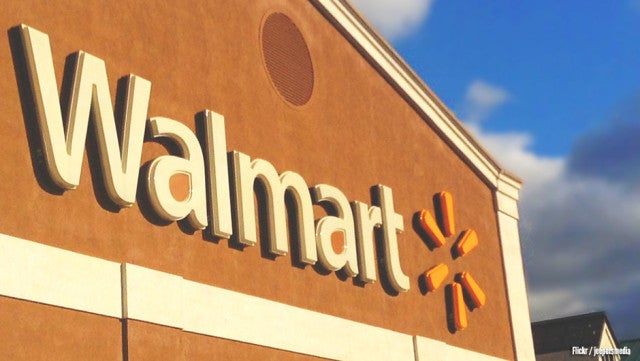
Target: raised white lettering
<point>391,224</point>
<point>245,173</point>
<point>342,222</point>
<point>194,207</point>
<point>367,219</point>
<point>195,184</point>
<point>217,174</point>
<point>90,94</point>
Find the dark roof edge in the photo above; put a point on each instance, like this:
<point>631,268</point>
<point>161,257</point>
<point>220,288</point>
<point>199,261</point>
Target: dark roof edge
<point>603,314</point>
<point>567,318</point>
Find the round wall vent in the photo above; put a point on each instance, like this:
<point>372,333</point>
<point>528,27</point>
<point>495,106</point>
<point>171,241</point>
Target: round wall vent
<point>287,59</point>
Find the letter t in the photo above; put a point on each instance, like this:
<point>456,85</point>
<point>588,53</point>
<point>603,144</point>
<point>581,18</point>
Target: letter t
<point>392,223</point>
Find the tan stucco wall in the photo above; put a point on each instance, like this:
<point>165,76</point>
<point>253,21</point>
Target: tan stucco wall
<point>355,132</point>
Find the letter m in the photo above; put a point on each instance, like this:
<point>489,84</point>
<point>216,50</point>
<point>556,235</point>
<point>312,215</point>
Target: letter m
<point>119,160</point>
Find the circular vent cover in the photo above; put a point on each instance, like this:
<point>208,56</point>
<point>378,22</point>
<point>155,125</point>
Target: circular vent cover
<point>287,59</point>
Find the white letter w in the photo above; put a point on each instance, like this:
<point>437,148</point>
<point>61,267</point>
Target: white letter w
<point>120,161</point>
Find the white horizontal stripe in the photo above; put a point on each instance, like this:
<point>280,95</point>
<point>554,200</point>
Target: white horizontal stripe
<point>40,273</point>
<point>45,274</point>
<point>227,314</point>
<point>152,296</point>
<point>432,350</point>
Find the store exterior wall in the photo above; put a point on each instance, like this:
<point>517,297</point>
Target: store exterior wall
<point>346,118</point>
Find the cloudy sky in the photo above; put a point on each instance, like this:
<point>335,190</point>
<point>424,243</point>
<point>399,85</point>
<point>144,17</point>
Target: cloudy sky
<point>552,89</point>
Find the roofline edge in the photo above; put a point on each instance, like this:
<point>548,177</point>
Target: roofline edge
<point>395,69</point>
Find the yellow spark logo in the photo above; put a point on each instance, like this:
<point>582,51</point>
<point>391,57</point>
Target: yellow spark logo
<point>463,284</point>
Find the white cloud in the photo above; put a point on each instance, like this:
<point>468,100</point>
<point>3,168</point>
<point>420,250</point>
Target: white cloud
<point>512,151</point>
<point>579,235</point>
<point>547,303</point>
<point>579,231</point>
<point>395,18</point>
<point>481,99</point>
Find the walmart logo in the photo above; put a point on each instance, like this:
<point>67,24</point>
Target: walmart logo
<point>463,285</point>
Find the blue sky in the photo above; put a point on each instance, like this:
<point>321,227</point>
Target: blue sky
<point>566,66</point>
<point>552,89</point>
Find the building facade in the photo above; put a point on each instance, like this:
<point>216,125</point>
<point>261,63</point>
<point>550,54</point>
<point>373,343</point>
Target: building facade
<point>242,180</point>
